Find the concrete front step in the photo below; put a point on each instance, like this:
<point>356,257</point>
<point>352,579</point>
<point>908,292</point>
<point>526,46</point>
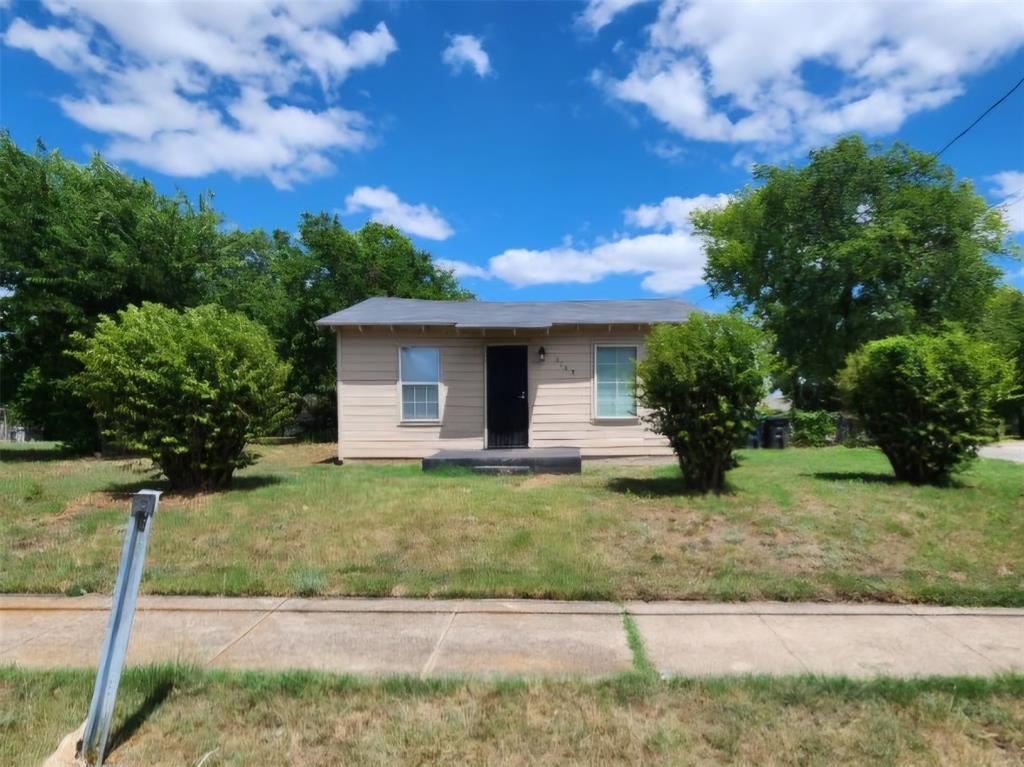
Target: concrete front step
<point>545,460</point>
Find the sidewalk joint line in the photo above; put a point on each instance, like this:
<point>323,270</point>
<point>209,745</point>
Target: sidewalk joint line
<point>248,631</point>
<point>436,652</point>
<point>958,640</point>
<point>22,643</point>
<point>782,641</point>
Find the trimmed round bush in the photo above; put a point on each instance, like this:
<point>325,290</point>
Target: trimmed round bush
<point>702,381</point>
<point>188,389</point>
<point>927,400</point>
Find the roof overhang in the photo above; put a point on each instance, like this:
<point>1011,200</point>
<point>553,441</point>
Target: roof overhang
<point>491,326</point>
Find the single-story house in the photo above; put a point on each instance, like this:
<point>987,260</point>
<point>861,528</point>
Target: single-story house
<point>416,376</point>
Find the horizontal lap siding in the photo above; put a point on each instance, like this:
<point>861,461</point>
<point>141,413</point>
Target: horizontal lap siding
<point>562,407</point>
<point>561,391</point>
<point>370,407</point>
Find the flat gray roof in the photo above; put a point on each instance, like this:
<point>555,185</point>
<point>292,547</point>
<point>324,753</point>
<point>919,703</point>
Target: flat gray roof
<point>509,314</point>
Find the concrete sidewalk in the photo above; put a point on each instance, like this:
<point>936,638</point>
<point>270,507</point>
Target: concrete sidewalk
<point>1008,450</point>
<point>519,637</point>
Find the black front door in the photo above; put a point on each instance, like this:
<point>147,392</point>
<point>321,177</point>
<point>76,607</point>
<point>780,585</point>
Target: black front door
<point>508,414</point>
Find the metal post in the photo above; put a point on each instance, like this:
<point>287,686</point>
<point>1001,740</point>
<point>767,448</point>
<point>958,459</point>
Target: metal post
<point>122,612</point>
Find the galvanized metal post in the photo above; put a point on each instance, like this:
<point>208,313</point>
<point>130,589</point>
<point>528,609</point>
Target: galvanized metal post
<point>122,613</point>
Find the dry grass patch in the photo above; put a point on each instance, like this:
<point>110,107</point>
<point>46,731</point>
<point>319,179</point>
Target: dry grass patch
<point>312,719</point>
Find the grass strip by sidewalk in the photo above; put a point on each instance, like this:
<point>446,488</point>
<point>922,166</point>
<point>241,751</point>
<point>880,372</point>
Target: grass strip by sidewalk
<point>641,661</point>
<point>170,715</point>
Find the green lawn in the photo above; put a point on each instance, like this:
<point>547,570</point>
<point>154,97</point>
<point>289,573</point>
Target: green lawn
<point>797,524</point>
<point>173,716</point>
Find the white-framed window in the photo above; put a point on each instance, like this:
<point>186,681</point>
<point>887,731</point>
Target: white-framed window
<point>615,381</point>
<point>419,372</point>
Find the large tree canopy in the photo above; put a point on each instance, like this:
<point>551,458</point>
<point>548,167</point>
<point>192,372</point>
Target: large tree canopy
<point>289,283</point>
<point>334,268</point>
<point>81,241</point>
<point>859,244</point>
<point>76,242</point>
<point>1003,327</point>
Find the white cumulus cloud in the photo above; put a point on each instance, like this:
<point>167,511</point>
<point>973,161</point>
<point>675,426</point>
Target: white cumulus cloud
<point>1008,188</point>
<point>737,72</point>
<point>670,262</point>
<point>670,259</point>
<point>193,88</point>
<point>667,150</point>
<point>385,206</point>
<point>598,14</point>
<point>673,212</point>
<point>463,269</point>
<point>66,49</point>
<point>466,51</point>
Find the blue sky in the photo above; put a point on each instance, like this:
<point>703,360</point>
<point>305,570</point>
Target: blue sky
<point>546,150</point>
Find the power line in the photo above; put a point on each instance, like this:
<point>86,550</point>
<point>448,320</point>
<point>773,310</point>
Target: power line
<point>1010,197</point>
<point>980,117</point>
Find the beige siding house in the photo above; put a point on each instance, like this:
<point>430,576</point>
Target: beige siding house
<point>416,377</point>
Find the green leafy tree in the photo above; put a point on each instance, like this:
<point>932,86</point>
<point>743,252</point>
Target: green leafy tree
<point>702,381</point>
<point>247,278</point>
<point>287,283</point>
<point>813,428</point>
<point>81,241</point>
<point>1003,326</point>
<point>188,389</point>
<point>376,260</point>
<point>927,400</point>
<point>859,244</point>
<point>77,242</point>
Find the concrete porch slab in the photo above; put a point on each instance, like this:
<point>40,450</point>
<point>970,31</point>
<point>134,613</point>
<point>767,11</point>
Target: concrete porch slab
<point>543,460</point>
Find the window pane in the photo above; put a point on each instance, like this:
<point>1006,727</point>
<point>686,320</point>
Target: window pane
<point>420,363</point>
<point>605,392</point>
<point>616,382</point>
<point>625,405</point>
<point>419,402</point>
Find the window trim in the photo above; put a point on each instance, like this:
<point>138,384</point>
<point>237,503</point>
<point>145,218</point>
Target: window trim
<point>620,419</point>
<point>402,420</point>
